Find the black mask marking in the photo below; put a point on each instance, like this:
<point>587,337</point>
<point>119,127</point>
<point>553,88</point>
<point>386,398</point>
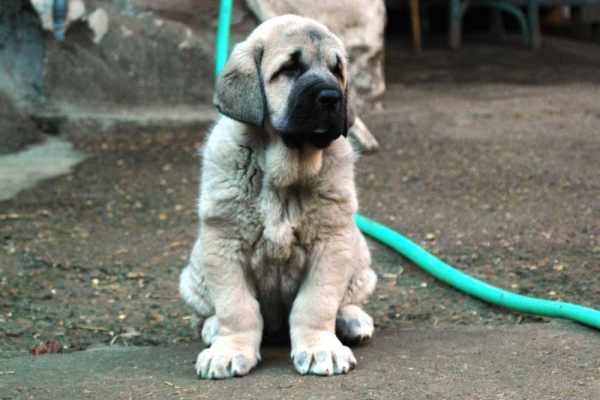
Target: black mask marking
<point>310,121</point>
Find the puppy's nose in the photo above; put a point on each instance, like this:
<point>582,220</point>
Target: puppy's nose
<point>329,99</point>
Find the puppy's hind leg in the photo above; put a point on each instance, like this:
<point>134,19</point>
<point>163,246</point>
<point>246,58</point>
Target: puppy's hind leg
<point>353,325</point>
<point>210,330</point>
<point>193,290</point>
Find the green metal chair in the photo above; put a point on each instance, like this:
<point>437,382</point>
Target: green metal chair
<point>529,22</point>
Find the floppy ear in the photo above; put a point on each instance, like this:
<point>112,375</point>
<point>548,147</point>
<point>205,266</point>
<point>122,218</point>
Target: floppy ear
<point>240,92</point>
<point>350,109</point>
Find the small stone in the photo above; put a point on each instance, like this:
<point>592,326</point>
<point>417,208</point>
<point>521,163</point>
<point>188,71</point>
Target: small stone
<point>134,275</point>
<point>430,236</point>
<point>125,31</point>
<point>98,22</point>
<point>423,284</point>
<point>558,267</point>
<point>157,317</point>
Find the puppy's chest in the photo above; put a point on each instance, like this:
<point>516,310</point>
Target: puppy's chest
<point>280,260</point>
<point>285,219</point>
<point>282,217</point>
<point>288,221</point>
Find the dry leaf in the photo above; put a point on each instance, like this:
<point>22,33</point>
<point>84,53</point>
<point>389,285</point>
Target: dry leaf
<point>49,347</point>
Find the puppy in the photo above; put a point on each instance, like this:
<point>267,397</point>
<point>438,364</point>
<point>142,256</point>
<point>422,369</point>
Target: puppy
<point>278,248</point>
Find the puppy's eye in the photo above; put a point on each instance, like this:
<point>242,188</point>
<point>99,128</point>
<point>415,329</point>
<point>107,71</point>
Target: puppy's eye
<point>291,69</point>
<point>337,71</point>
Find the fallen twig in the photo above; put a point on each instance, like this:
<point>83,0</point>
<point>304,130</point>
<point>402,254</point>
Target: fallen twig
<point>155,392</point>
<point>89,328</point>
<point>157,296</point>
<point>10,216</point>
<point>124,335</point>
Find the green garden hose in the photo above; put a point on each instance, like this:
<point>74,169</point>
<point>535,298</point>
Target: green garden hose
<point>423,259</point>
<point>222,50</point>
<point>472,286</point>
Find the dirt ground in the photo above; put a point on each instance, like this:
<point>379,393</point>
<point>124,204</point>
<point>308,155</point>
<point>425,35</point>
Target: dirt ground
<point>489,158</point>
<point>532,361</point>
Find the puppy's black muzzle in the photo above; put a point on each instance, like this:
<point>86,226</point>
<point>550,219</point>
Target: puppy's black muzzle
<point>329,99</point>
<point>316,112</point>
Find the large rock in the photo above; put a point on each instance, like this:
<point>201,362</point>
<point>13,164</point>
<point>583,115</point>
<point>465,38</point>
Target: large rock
<point>359,24</point>
<point>21,73</point>
<point>17,130</point>
<point>21,51</point>
<point>135,54</point>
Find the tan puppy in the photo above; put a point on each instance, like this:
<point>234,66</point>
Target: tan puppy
<point>277,241</point>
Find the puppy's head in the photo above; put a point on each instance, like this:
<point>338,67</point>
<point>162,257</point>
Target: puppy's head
<point>291,74</point>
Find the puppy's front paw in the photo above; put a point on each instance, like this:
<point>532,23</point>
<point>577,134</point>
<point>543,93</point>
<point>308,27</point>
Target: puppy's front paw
<point>226,359</point>
<point>321,353</point>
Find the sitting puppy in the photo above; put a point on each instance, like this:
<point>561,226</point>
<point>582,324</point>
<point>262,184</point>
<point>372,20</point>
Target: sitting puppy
<point>277,242</point>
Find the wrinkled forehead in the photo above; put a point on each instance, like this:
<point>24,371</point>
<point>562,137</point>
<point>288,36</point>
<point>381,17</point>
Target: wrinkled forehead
<point>311,42</point>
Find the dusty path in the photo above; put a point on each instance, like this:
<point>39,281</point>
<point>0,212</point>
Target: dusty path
<point>552,361</point>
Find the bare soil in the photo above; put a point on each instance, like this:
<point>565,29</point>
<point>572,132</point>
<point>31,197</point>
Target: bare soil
<point>490,158</point>
<point>534,361</point>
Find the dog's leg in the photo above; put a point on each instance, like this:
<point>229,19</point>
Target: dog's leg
<point>210,330</point>
<point>315,348</point>
<point>235,350</point>
<point>193,290</point>
<point>353,325</point>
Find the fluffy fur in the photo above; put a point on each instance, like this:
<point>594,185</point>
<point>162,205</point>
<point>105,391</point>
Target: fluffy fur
<point>277,248</point>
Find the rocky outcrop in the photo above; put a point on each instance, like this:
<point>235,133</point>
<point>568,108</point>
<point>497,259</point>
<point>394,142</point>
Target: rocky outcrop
<point>359,24</point>
<point>21,73</point>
